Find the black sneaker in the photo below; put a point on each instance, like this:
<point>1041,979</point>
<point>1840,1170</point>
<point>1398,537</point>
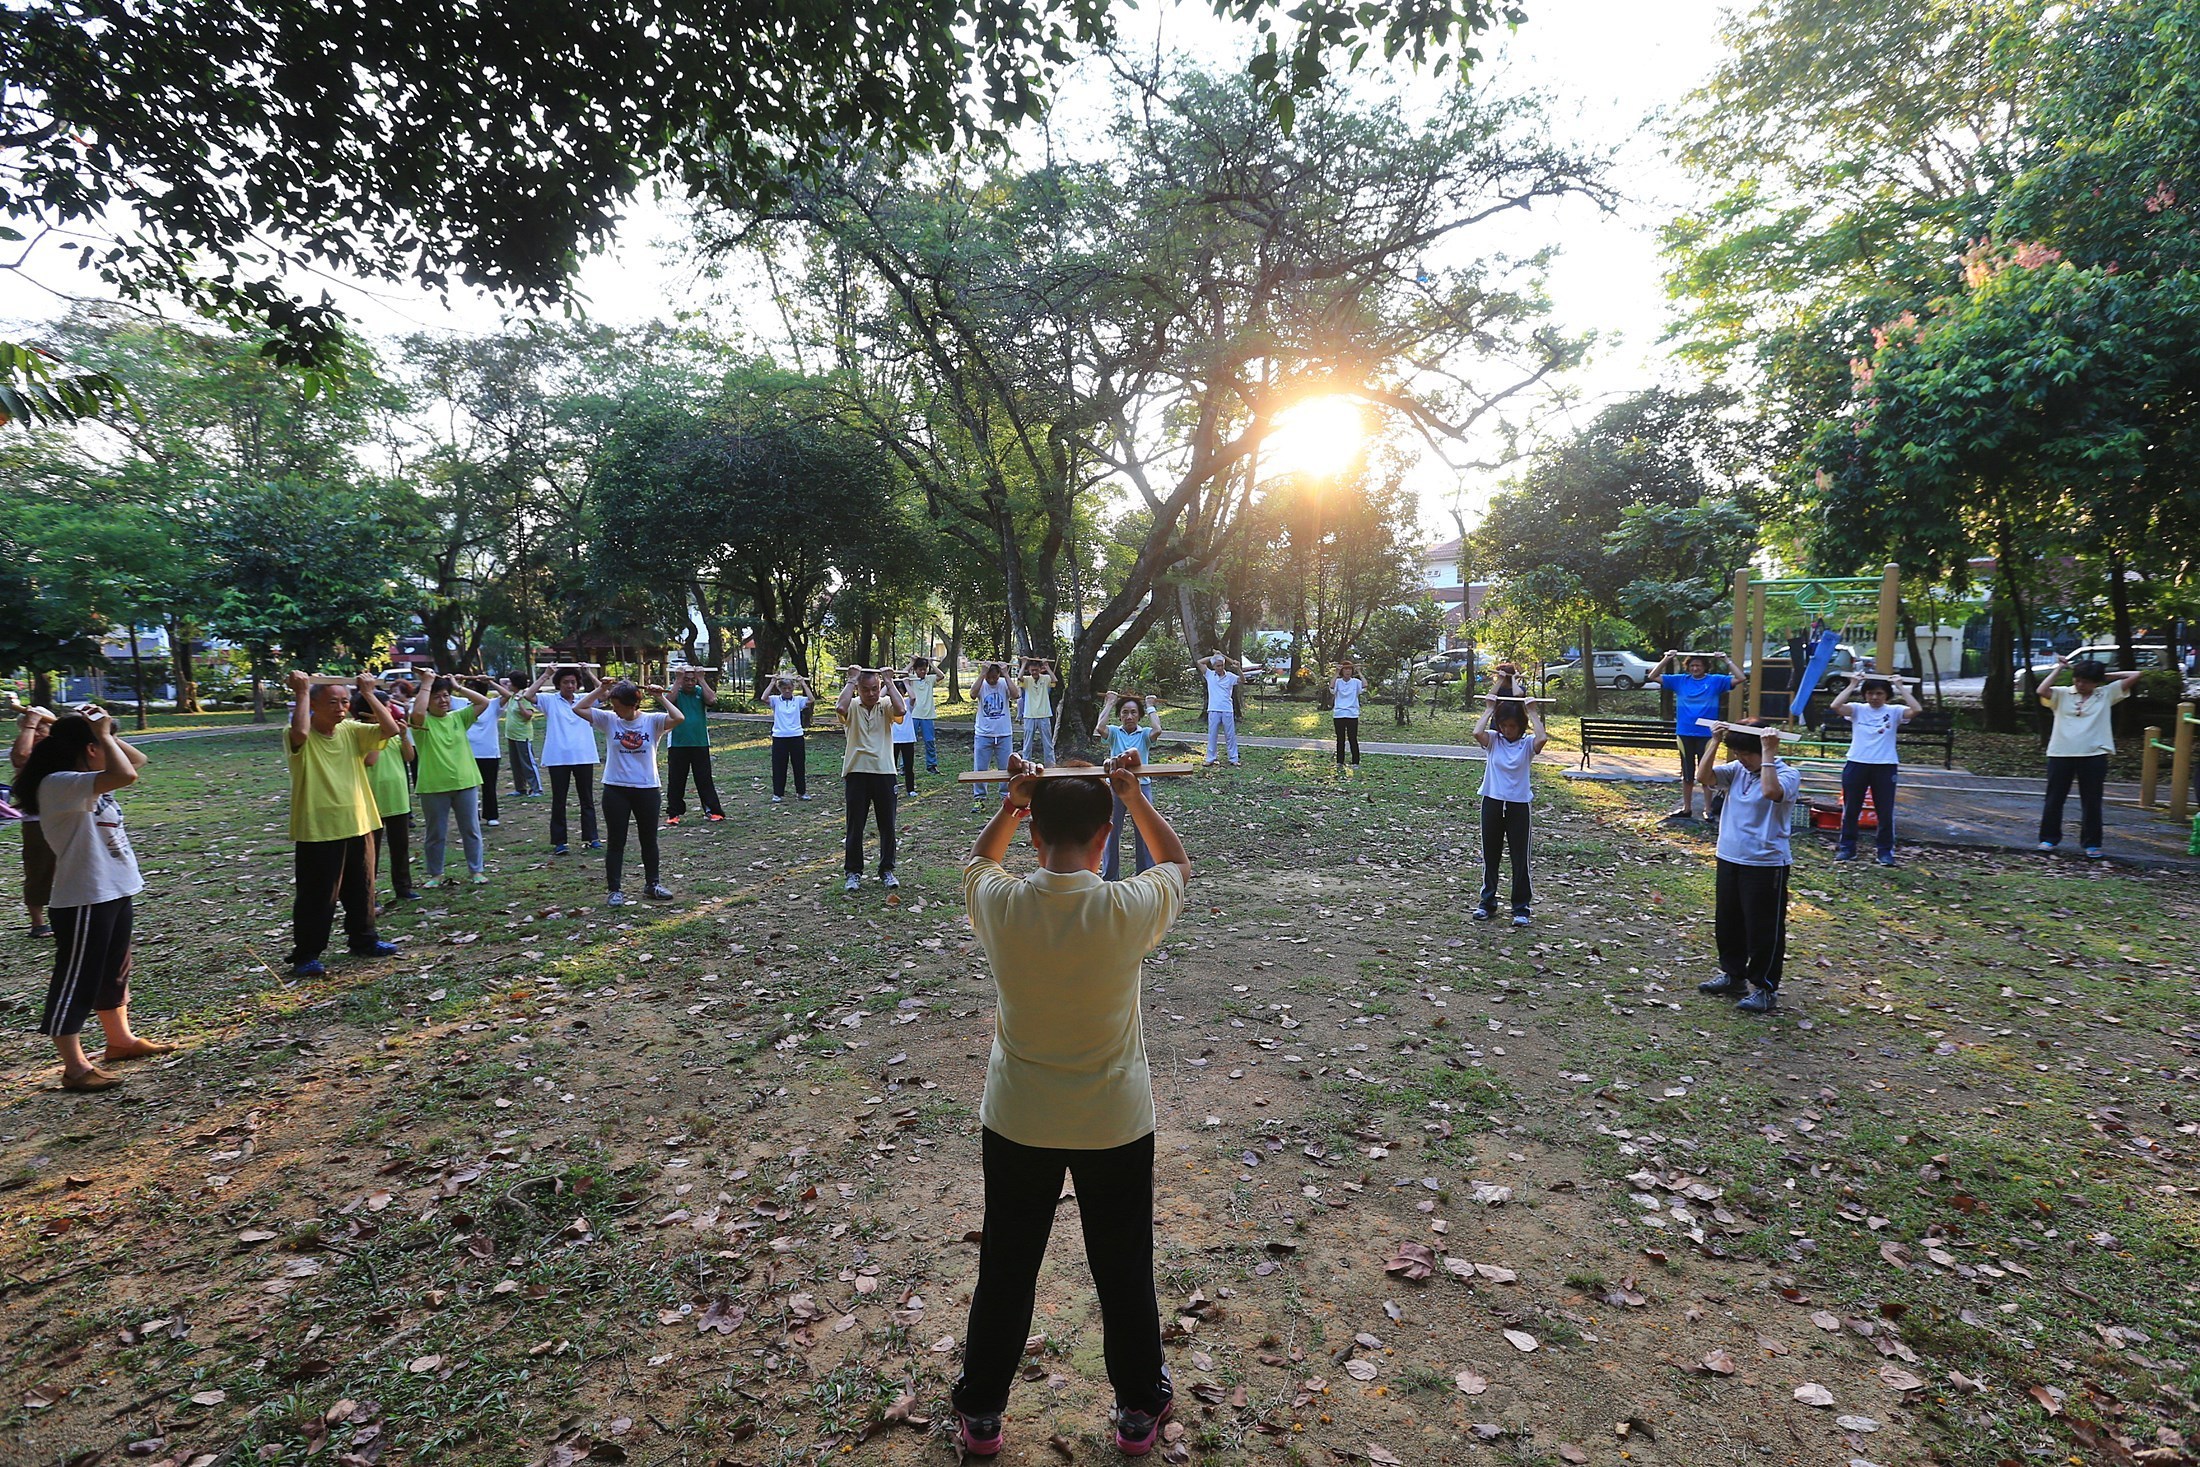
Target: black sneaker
<point>980,1435</point>
<point>1722,985</point>
<point>657,894</point>
<point>1760,1002</point>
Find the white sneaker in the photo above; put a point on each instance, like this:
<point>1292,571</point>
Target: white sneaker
<point>806,797</point>
<point>889,879</point>
<point>492,824</point>
<point>779,799</point>
<point>853,883</point>
<point>616,899</point>
<point>481,878</point>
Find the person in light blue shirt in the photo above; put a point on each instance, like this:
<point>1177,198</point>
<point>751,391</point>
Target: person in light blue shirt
<point>1137,727</point>
<point>1696,692</point>
<point>1750,914</point>
<point>994,729</point>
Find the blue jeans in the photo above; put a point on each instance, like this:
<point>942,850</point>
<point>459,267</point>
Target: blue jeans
<point>1122,828</point>
<point>990,751</point>
<point>435,809</point>
<point>1855,779</point>
<point>1039,731</point>
<point>927,729</point>
<point>1223,720</point>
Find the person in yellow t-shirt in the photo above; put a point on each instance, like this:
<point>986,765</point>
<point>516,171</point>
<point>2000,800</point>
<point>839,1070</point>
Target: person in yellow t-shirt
<point>869,709</point>
<point>1037,681</point>
<point>1067,1086</point>
<point>332,811</point>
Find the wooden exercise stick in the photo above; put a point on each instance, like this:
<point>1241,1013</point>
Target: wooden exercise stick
<point>1509,698</point>
<point>1742,728</point>
<point>1074,771</point>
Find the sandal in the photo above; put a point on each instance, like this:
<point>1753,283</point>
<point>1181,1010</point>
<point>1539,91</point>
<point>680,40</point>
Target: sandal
<point>93,1079</point>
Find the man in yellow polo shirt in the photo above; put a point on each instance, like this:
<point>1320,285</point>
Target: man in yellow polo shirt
<point>1067,1087</point>
<point>332,811</point>
<point>869,709</point>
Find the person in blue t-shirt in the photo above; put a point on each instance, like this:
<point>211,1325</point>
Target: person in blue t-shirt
<point>1140,725</point>
<point>1697,691</point>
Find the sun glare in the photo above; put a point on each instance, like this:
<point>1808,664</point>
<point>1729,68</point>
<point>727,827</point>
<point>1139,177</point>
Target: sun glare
<point>1320,438</point>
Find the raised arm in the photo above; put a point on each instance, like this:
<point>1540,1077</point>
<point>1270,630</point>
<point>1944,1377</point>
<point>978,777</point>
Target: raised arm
<point>479,699</point>
<point>26,736</point>
<point>846,700</point>
<point>1708,764</point>
<point>1536,730</point>
<point>2061,663</point>
<point>301,709</point>
<point>673,716</point>
<point>993,841</point>
<point>587,700</point>
<point>1482,734</point>
<point>542,680</point>
<point>123,762</point>
<point>1841,700</point>
<point>1909,699</point>
<point>368,687</point>
<point>1107,715</point>
<point>710,694</point>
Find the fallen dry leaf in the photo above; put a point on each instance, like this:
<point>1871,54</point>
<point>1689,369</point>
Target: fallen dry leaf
<point>1718,1362</point>
<point>209,1398</point>
<point>1470,1384</point>
<point>1522,1341</point>
<point>1811,1393</point>
<point>1568,1452</point>
<point>1896,1378</point>
<point>1382,1458</point>
<point>1361,1369</point>
<point>1412,1261</point>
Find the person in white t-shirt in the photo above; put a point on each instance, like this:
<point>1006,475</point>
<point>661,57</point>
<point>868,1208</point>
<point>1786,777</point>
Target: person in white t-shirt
<point>2079,746</point>
<point>630,787</point>
<point>995,728</point>
<point>1345,691</point>
<point>69,782</point>
<point>485,740</point>
<point>1037,682</point>
<point>1222,681</point>
<point>1873,759</point>
<point>568,748</point>
<point>787,696</point>
<point>905,736</point>
<point>1511,734</point>
<point>922,679</point>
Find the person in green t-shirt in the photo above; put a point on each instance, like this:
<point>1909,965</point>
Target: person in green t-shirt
<point>332,811</point>
<point>519,712</point>
<point>688,749</point>
<point>386,777</point>
<point>450,780</point>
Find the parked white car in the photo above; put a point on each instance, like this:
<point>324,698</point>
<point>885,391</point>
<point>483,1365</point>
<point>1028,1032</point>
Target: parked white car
<point>1619,670</point>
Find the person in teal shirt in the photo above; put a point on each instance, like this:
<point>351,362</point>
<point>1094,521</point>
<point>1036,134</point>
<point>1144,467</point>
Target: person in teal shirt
<point>687,750</point>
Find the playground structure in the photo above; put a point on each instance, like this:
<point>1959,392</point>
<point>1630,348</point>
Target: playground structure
<point>2180,749</point>
<point>1805,596</point>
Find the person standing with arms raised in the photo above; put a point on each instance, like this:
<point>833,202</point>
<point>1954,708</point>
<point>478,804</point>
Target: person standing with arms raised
<point>1873,759</point>
<point>994,730</point>
<point>332,812</point>
<point>450,780</point>
<point>922,681</point>
<point>630,790</point>
<point>392,786</point>
<point>70,780</point>
<point>868,711</point>
<point>788,696</point>
<point>2079,746</point>
<point>35,723</point>
<point>484,738</point>
<point>519,744</point>
<point>1222,681</point>
<point>1345,691</point>
<point>568,750</point>
<point>1696,691</point>
<point>1037,682</point>
<point>687,750</point>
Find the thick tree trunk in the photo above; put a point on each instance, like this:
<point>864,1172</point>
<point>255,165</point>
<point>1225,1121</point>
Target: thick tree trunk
<point>42,689</point>
<point>2119,606</point>
<point>954,653</point>
<point>137,670</point>
<point>1998,700</point>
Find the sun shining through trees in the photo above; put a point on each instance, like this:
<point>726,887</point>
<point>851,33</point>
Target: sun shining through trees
<point>1320,438</point>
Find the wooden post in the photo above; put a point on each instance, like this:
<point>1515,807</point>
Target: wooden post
<point>1740,640</point>
<point>2180,763</point>
<point>2150,765</point>
<point>1757,626</point>
<point>1890,616</point>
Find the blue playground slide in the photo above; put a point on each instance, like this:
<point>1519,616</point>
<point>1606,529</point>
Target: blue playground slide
<point>1814,672</point>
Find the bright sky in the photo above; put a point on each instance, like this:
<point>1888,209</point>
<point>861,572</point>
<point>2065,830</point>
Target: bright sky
<point>1609,66</point>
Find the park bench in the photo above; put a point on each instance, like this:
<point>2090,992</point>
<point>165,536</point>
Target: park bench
<point>1624,733</point>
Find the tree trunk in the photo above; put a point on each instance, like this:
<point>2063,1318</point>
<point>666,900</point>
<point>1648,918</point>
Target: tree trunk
<point>1589,664</point>
<point>1998,699</point>
<point>954,652</point>
<point>42,689</point>
<point>183,665</point>
<point>2119,605</point>
<point>137,671</point>
<point>259,690</point>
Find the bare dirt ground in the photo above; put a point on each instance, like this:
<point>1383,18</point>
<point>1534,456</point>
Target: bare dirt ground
<point>698,1184</point>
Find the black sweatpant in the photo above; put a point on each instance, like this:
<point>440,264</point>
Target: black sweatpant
<point>906,756</point>
<point>1505,823</point>
<point>327,872</point>
<point>1023,1186</point>
<point>790,753</point>
<point>1750,922</point>
<point>867,792</point>
<point>393,852</point>
<point>679,763</point>
<point>561,776</point>
<point>1348,732</point>
<point>623,802</point>
<point>488,768</point>
<point>1856,780</point>
<point>2091,773</point>
<point>91,964</point>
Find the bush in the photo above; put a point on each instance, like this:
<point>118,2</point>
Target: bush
<point>1160,664</point>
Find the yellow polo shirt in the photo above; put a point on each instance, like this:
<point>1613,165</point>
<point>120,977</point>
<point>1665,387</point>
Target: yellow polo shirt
<point>330,798</point>
<point>870,738</point>
<point>1068,953</point>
